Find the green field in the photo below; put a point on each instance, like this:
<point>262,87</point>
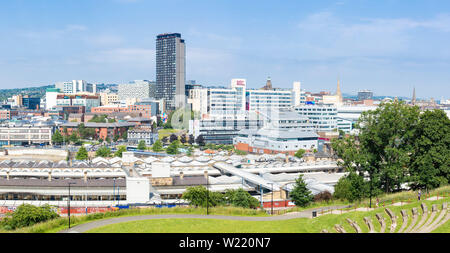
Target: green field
<point>299,225</point>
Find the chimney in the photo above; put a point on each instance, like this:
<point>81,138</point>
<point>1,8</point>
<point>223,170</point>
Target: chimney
<point>131,172</point>
<point>85,176</point>
<point>49,176</point>
<point>181,175</point>
<point>205,174</point>
<point>287,158</point>
<point>7,175</point>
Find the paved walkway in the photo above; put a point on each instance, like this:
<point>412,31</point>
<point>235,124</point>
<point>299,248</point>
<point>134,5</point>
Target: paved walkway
<point>293,215</point>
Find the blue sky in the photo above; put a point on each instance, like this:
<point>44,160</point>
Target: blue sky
<point>387,46</point>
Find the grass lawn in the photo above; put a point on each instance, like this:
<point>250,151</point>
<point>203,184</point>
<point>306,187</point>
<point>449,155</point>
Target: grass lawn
<point>167,132</point>
<point>208,226</point>
<point>300,225</point>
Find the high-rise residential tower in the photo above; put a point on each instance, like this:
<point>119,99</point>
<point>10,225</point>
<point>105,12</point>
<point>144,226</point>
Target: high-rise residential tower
<point>171,70</point>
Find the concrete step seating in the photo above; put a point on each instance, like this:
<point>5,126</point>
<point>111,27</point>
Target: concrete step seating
<point>419,222</point>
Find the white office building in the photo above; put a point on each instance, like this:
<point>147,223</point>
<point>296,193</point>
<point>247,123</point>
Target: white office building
<point>322,116</point>
<point>137,89</point>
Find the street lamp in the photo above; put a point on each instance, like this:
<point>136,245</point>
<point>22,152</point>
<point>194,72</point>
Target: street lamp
<point>271,212</point>
<point>68,202</point>
<point>207,193</point>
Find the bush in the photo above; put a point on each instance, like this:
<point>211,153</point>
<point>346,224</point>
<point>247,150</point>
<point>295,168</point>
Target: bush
<point>323,197</point>
<point>351,187</point>
<point>241,198</point>
<point>26,215</point>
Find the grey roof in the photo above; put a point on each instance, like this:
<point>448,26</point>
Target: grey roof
<point>191,180</point>
<point>63,182</point>
<point>93,124</point>
<point>285,133</point>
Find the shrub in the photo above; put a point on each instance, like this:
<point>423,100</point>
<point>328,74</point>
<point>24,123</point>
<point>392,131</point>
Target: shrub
<point>26,215</point>
<point>323,197</point>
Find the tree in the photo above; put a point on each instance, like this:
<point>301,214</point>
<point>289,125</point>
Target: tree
<point>430,160</point>
<point>200,140</point>
<point>116,137</point>
<point>82,154</point>
<point>383,147</point>
<point>189,151</point>
<point>57,138</point>
<point>103,152</point>
<point>164,139</point>
<point>387,138</point>
<point>241,198</point>
<point>107,139</point>
<point>173,148</point>
<point>300,194</point>
<point>73,138</point>
<point>157,146</point>
<point>300,153</point>
<point>141,145</point>
<point>351,187</point>
<point>26,215</point>
<point>154,127</point>
<point>173,138</point>
<point>119,151</point>
<point>200,196</point>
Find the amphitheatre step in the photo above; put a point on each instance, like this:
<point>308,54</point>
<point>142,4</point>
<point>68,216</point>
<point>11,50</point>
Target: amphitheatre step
<point>382,222</point>
<point>440,220</point>
<point>393,218</point>
<point>423,220</point>
<point>405,221</point>
<point>339,228</point>
<point>415,216</point>
<point>369,224</point>
<point>354,225</point>
<point>434,211</point>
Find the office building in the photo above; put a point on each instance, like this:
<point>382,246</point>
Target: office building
<point>322,116</point>
<point>171,70</point>
<point>364,95</point>
<point>137,89</point>
<point>76,86</point>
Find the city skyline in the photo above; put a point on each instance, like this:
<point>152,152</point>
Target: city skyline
<point>389,48</point>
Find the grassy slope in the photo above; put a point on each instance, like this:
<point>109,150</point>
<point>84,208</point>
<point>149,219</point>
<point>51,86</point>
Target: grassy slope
<point>63,223</point>
<point>301,225</point>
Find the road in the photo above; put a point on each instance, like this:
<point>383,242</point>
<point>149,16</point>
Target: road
<point>294,215</point>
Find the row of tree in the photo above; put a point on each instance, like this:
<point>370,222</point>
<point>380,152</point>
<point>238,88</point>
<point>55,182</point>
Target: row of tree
<point>397,146</point>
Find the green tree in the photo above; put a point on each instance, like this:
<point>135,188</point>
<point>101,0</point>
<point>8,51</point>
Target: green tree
<point>173,148</point>
<point>73,138</point>
<point>57,138</point>
<point>200,196</point>
<point>189,151</point>
<point>157,146</point>
<point>183,139</point>
<point>119,151</point>
<point>430,160</point>
<point>300,195</point>
<point>300,153</point>
<point>103,152</point>
<point>141,145</point>
<point>241,198</point>
<point>351,187</point>
<point>26,215</point>
<point>387,138</point>
<point>200,140</point>
<point>82,154</point>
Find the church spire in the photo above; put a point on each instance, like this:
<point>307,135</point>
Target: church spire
<point>338,91</point>
<point>413,100</point>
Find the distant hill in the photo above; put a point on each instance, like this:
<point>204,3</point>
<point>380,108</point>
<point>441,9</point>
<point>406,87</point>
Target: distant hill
<point>31,91</point>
